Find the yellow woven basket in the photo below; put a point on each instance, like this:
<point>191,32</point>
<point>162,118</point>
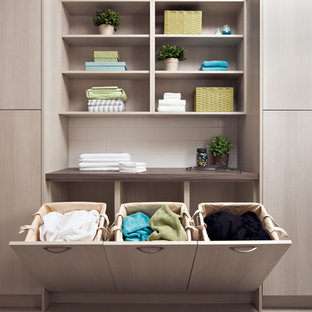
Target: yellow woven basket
<point>209,99</point>
<point>183,22</point>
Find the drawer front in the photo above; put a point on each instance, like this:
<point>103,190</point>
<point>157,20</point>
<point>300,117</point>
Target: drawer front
<point>67,267</point>
<point>234,267</point>
<point>149,267</point>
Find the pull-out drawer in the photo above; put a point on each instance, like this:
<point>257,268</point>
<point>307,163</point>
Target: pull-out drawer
<point>152,266</point>
<point>239,266</point>
<point>74,266</point>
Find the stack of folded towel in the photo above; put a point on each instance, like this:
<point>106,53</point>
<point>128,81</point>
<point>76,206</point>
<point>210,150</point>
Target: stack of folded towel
<point>104,162</point>
<point>106,99</point>
<point>214,66</point>
<point>132,167</point>
<point>106,60</point>
<point>171,103</point>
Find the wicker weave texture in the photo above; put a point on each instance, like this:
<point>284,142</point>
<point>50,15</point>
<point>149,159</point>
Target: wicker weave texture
<point>183,22</point>
<point>211,99</point>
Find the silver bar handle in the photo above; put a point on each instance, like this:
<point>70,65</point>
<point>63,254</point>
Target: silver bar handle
<point>57,250</point>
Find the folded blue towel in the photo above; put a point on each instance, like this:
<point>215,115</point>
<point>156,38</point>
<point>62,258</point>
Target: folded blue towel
<point>214,64</point>
<point>136,227</point>
<point>105,64</point>
<point>213,68</point>
<point>106,68</point>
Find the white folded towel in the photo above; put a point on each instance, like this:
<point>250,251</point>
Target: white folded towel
<point>171,108</point>
<point>77,225</point>
<point>105,102</point>
<point>85,164</point>
<point>170,95</point>
<point>171,102</point>
<point>106,108</point>
<point>132,167</point>
<point>107,157</point>
<point>100,169</point>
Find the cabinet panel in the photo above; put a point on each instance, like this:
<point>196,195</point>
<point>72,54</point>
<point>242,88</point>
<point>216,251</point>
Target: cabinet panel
<point>20,195</point>
<point>67,267</point>
<point>151,267</point>
<point>287,185</point>
<point>20,54</point>
<point>287,44</point>
<point>234,267</point>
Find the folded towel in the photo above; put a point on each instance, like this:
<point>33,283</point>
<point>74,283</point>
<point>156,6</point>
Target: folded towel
<point>213,68</point>
<point>106,68</point>
<point>106,108</point>
<point>105,54</point>
<point>106,93</point>
<point>100,169</point>
<point>136,227</point>
<point>166,225</point>
<point>105,102</point>
<point>171,108</point>
<point>97,164</point>
<point>106,59</point>
<point>107,156</point>
<point>170,95</point>
<point>215,64</point>
<point>77,225</point>
<point>171,102</point>
<point>108,64</point>
<point>132,167</point>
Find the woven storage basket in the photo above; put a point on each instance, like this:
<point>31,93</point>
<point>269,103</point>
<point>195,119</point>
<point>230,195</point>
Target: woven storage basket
<point>213,99</point>
<point>149,208</point>
<point>207,209</point>
<point>183,22</point>
<point>63,207</point>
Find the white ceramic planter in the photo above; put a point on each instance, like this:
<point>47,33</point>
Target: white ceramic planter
<point>171,63</point>
<point>106,29</point>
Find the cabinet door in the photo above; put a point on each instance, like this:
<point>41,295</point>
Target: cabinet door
<point>151,267</point>
<point>287,185</point>
<point>287,45</point>
<point>69,267</point>
<point>234,266</point>
<point>20,190</point>
<point>20,54</point>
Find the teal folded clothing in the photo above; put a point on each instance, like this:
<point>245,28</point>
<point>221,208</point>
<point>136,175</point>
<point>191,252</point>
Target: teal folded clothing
<point>213,68</point>
<point>166,225</point>
<point>106,93</point>
<point>136,227</point>
<point>106,68</point>
<point>215,64</point>
<point>106,64</point>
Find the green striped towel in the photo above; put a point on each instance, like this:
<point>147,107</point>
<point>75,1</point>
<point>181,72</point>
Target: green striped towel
<point>105,54</point>
<point>107,93</point>
<point>106,59</point>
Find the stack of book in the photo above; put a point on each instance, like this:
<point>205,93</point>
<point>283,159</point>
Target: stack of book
<point>106,61</point>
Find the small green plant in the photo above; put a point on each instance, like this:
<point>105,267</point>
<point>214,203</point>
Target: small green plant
<point>220,146</point>
<point>108,17</point>
<point>167,51</point>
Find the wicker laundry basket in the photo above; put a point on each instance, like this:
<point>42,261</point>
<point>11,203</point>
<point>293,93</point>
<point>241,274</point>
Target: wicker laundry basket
<point>214,99</point>
<point>63,207</point>
<point>182,22</point>
<point>207,209</point>
<point>149,208</point>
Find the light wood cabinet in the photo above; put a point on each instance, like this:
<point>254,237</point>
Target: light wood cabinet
<point>20,195</point>
<point>287,185</point>
<point>287,44</point>
<point>20,54</point>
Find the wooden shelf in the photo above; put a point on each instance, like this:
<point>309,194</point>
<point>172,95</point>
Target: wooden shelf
<point>106,41</point>
<point>200,40</point>
<point>152,174</point>
<point>129,74</point>
<point>86,114</point>
<point>197,74</point>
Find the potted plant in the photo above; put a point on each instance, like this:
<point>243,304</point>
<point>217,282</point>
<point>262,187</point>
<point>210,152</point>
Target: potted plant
<point>107,20</point>
<point>220,147</point>
<point>172,55</point>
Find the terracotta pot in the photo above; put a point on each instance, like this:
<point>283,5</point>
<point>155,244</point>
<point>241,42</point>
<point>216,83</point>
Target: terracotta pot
<point>171,63</point>
<point>221,161</point>
<point>106,29</point>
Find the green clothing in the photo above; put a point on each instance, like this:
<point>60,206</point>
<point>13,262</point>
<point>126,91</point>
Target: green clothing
<point>106,93</point>
<point>166,225</point>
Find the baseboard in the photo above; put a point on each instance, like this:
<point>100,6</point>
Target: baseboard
<point>20,301</point>
<point>288,302</point>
